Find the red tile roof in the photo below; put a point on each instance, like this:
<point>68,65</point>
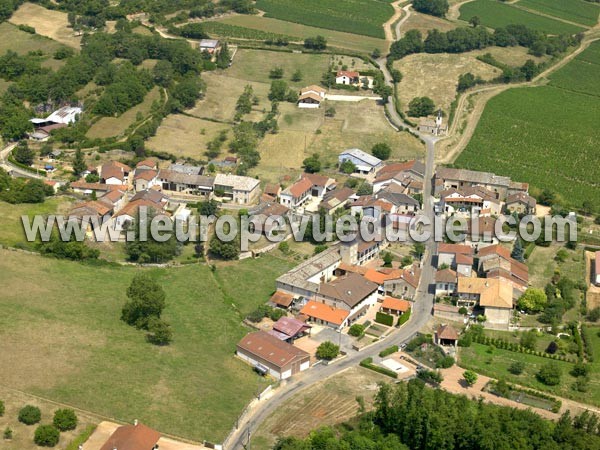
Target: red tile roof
<point>300,187</point>
<point>324,312</point>
<point>271,349</point>
<point>132,437</point>
<point>455,248</point>
<point>447,332</point>
<point>349,74</point>
<point>395,304</point>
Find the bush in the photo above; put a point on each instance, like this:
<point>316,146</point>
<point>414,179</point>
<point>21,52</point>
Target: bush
<point>276,313</point>
<point>30,415</point>
<point>327,350</point>
<point>2,409</point>
<point>430,376</point>
<point>470,377</point>
<point>8,433</point>
<point>46,436</point>
<point>445,362</point>
<point>384,319</point>
<point>65,419</point>
<point>160,332</point>
<point>516,368</point>
<point>580,369</point>
<point>356,330</point>
<point>550,374</point>
<point>388,351</point>
<point>462,310</point>
<point>381,150</point>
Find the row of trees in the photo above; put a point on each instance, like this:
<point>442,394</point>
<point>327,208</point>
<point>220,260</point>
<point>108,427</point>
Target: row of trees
<point>466,39</point>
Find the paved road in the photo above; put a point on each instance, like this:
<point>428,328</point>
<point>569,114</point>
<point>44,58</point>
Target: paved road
<point>11,168</point>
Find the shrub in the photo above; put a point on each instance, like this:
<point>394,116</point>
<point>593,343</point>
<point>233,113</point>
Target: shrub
<point>368,363</point>
<point>549,374</point>
<point>516,368</point>
<point>430,376</point>
<point>2,409</point>
<point>580,369</point>
<point>470,377</point>
<point>30,415</point>
<point>327,350</point>
<point>403,318</point>
<point>46,436</point>
<point>276,313</point>
<point>384,319</point>
<point>462,310</point>
<point>65,419</point>
<point>445,362</point>
<point>8,433</point>
<point>356,330</point>
<point>388,351</point>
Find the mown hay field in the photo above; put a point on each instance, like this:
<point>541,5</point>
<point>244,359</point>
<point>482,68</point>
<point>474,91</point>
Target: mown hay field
<point>495,14</point>
<point>47,22</point>
<point>364,17</point>
<point>547,136</point>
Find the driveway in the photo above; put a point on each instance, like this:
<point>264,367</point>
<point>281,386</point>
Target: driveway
<point>349,98</point>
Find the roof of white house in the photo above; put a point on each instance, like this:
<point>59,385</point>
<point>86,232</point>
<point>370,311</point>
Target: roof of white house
<point>363,156</point>
<point>66,114</point>
<point>209,43</point>
<point>237,182</point>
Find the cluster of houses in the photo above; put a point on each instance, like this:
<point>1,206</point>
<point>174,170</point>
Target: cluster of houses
<point>121,190</point>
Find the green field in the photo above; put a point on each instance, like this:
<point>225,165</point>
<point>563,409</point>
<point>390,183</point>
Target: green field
<point>496,364</point>
<point>62,339</point>
<point>548,135</point>
<point>281,27</point>
<point>342,15</point>
<point>22,42</point>
<point>578,11</point>
<point>495,14</point>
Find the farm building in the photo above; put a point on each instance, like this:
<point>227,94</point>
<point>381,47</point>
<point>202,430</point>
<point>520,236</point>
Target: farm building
<point>208,45</point>
<point>64,116</point>
<point>240,190</point>
<point>273,356</point>
<point>394,306</point>
<point>365,163</point>
<point>446,335</point>
<point>311,96</point>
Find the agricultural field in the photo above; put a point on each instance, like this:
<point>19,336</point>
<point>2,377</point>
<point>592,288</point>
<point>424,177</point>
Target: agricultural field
<point>116,126</point>
<point>269,25</point>
<point>303,132</point>
<point>340,15</point>
<point>49,23</point>
<point>255,65</point>
<point>62,339</point>
<point>436,76</point>
<point>221,29</point>
<point>328,402</point>
<point>551,130</point>
<point>579,11</point>
<point>425,22</point>
<point>185,136</point>
<point>495,14</point>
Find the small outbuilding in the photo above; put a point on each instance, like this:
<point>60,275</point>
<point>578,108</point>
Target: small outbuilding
<point>446,335</point>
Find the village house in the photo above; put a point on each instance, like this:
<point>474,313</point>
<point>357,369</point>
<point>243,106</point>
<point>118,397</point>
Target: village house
<point>272,191</point>
<point>409,175</point>
<point>402,203</point>
<point>337,199</point>
<point>352,292</point>
<point>238,189</point>
<point>433,125</point>
<point>394,306</point>
<point>445,282</point>
<point>321,184</point>
<point>296,195</point>
<point>189,184</point>
<point>521,203</point>
<point>405,284</point>
<point>272,356</point>
<point>495,261</point>
<point>473,200</point>
<point>263,212</point>
<point>494,295</point>
<point>82,187</point>
<point>145,179</point>
<point>348,78</point>
<point>282,300</point>
<point>448,253</point>
<point>311,96</point>
<point>450,178</point>
<point>133,437</point>
<point>323,314</point>
<point>114,172</point>
<point>147,164</point>
<point>365,163</point>
<point>127,215</point>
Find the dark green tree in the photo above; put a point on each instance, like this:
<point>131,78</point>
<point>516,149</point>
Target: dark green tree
<point>146,301</point>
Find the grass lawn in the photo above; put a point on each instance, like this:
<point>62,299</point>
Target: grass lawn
<point>495,365</point>
<point>254,65</point>
<point>542,264</point>
<point>47,22</point>
<point>334,38</point>
<point>62,339</point>
<point>116,126</point>
<point>495,14</point>
<point>11,228</point>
